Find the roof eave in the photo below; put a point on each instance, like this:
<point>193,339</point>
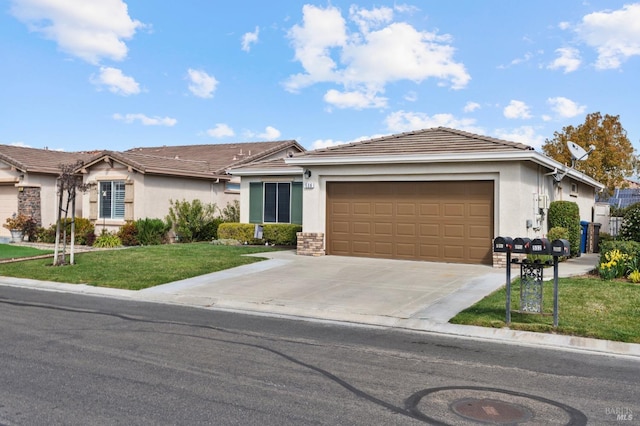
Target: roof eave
<point>281,171</point>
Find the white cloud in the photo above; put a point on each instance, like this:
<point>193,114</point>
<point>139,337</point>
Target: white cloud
<point>145,120</point>
<point>373,18</point>
<point>367,58</point>
<point>90,30</point>
<point>471,106</point>
<point>524,134</point>
<point>355,99</point>
<point>221,131</point>
<point>270,133</point>
<point>565,108</point>
<point>250,38</point>
<point>568,59</point>
<point>20,144</point>
<point>116,81</point>
<point>564,25</point>
<point>201,84</point>
<point>614,34</point>
<point>526,58</point>
<point>411,96</point>
<point>405,121</point>
<point>517,109</point>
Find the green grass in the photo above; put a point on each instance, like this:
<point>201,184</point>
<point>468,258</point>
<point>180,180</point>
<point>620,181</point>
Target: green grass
<point>588,307</point>
<point>139,267</point>
<point>10,251</point>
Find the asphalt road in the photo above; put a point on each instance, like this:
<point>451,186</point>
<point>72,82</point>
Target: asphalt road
<point>72,359</point>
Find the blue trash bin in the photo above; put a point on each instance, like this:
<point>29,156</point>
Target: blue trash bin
<point>584,229</point>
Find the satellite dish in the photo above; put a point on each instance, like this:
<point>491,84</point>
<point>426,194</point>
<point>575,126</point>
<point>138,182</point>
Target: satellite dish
<point>577,152</point>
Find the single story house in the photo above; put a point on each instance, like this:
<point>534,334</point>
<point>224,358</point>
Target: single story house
<point>28,182</point>
<point>128,185</point>
<point>438,194</point>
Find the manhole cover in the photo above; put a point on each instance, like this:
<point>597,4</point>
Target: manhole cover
<point>490,411</point>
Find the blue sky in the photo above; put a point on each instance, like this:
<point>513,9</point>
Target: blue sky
<point>121,74</point>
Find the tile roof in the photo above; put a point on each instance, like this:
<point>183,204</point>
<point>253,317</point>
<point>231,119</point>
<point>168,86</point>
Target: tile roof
<point>218,156</point>
<point>39,160</point>
<point>440,140</point>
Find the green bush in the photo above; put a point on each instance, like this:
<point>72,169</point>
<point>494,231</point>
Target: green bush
<point>193,221</point>
<point>566,214</point>
<point>107,240</point>
<point>84,232</point>
<point>630,248</point>
<point>128,234</point>
<point>630,229</point>
<point>231,213</point>
<point>152,231</point>
<point>558,233</point>
<point>273,233</point>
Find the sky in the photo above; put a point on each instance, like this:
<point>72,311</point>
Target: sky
<point>113,74</point>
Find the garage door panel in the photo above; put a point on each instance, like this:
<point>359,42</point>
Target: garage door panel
<point>361,228</point>
<point>454,210</point>
<point>362,209</point>
<point>383,249</point>
<point>453,231</point>
<point>435,221</point>
<point>479,231</point>
<point>406,209</point>
<point>383,209</point>
<point>383,229</point>
<point>361,247</point>
<point>406,229</point>
<point>8,205</point>
<point>430,209</point>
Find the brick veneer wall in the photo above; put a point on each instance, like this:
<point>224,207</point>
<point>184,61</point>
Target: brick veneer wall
<point>500,259</point>
<point>29,203</point>
<point>310,243</point>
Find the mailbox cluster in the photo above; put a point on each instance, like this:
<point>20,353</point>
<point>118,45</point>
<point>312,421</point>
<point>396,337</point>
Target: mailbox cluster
<point>558,247</point>
<point>531,273</point>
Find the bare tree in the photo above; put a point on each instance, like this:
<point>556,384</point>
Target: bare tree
<point>69,184</point>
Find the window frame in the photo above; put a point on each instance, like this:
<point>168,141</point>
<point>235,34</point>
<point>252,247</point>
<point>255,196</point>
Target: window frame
<point>116,199</point>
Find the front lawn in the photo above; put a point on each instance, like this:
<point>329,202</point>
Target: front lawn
<point>11,251</point>
<point>588,307</point>
<point>138,267</point>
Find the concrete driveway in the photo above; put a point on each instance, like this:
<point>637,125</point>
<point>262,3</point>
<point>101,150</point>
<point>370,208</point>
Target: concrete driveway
<point>361,290</point>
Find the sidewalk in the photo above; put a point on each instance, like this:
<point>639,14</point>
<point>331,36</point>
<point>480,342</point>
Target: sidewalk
<point>418,296</point>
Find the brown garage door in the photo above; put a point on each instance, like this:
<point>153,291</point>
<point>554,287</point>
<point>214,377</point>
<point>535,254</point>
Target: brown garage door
<point>434,221</point>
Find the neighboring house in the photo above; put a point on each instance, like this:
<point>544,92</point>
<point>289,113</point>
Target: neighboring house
<point>133,184</point>
<point>28,179</point>
<point>436,194</point>
<point>141,182</point>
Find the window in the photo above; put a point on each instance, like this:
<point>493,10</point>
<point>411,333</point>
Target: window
<point>574,189</point>
<point>232,187</point>
<point>277,202</point>
<point>111,197</point>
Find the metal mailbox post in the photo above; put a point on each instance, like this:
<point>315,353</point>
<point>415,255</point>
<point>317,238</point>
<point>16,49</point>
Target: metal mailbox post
<point>531,273</point>
<point>505,245</point>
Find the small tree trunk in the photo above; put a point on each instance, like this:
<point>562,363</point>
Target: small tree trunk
<point>56,251</point>
<point>73,226</point>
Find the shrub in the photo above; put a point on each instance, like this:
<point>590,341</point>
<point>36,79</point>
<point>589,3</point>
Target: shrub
<point>128,234</point>
<point>84,232</point>
<point>614,265</point>
<point>273,233</point>
<point>107,240</point>
<point>231,213</point>
<point>618,258</point>
<point>566,214</point>
<point>192,221</point>
<point>558,233</point>
<point>634,276</point>
<point>630,229</point>
<point>152,231</point>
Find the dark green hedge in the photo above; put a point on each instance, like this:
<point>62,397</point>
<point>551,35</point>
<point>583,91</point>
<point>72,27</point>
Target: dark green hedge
<point>566,214</point>
<point>282,234</point>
